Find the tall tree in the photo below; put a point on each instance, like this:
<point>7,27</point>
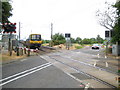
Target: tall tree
<point>58,39</point>
<point>106,18</point>
<point>6,11</point>
<point>72,40</point>
<point>116,33</point>
<point>93,40</point>
<point>78,40</point>
<point>99,39</point>
<point>86,41</point>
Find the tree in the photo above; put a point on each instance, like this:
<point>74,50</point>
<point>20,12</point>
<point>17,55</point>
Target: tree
<point>6,11</point>
<point>107,18</point>
<point>116,32</point>
<point>58,39</point>
<point>86,41</point>
<point>99,39</point>
<point>78,40</point>
<point>72,40</point>
<point>93,40</point>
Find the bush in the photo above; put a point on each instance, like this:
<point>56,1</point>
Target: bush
<point>78,47</point>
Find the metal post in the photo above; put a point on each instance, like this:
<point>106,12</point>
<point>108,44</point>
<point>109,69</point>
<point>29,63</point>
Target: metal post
<point>17,47</point>
<point>10,44</point>
<point>117,47</point>
<point>106,49</point>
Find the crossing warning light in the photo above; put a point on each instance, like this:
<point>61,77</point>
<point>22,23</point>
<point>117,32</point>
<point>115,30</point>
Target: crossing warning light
<point>9,27</point>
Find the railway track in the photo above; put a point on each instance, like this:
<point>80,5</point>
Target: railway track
<point>46,49</point>
<point>98,66</point>
<point>84,73</point>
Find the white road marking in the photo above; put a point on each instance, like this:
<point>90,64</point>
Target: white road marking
<point>73,77</point>
<point>23,60</point>
<point>25,75</point>
<point>106,64</point>
<point>24,72</point>
<point>87,86</point>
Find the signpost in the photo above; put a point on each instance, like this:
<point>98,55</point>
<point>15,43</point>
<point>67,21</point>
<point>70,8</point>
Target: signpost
<point>108,36</point>
<point>8,28</point>
<point>68,41</point>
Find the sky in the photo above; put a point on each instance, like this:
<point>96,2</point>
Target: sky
<point>77,17</point>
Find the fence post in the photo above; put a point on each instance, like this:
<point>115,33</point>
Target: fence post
<point>28,52</point>
<point>21,51</point>
<point>24,50</point>
<point>17,51</point>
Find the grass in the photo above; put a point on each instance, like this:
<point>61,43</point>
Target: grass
<point>78,47</point>
<point>6,57</point>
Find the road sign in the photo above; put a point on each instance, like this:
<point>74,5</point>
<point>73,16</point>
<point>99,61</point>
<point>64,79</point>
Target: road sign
<point>67,35</point>
<point>68,41</point>
<point>9,27</point>
<point>107,34</point>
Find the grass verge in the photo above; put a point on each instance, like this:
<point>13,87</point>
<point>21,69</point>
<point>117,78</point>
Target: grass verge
<point>7,58</point>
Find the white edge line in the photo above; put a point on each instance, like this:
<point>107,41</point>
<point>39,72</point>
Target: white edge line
<point>23,72</point>
<point>25,75</point>
<point>23,60</point>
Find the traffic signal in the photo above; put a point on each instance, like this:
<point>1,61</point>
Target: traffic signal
<point>107,33</point>
<point>112,33</point>
<point>67,35</point>
<point>9,28</point>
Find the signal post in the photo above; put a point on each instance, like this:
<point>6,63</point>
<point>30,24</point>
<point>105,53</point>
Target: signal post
<point>9,28</point>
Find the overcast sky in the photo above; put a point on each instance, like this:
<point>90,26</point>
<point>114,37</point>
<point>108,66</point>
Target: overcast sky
<point>68,16</point>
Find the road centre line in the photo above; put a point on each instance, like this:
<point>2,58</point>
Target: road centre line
<point>24,72</point>
<point>25,75</point>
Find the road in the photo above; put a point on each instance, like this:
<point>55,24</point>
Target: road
<point>62,69</point>
<point>48,77</point>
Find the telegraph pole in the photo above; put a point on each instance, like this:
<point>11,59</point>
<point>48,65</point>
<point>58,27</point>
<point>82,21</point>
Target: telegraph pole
<point>19,31</point>
<point>51,30</point>
<point>51,34</point>
<point>18,41</point>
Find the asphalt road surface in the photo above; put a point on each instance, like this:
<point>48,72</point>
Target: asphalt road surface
<point>47,76</point>
<point>60,69</point>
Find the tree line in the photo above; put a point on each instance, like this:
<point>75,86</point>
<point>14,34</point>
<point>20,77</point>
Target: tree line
<point>59,38</point>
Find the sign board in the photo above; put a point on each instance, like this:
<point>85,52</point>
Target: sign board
<point>67,35</point>
<point>68,41</point>
<point>107,33</point>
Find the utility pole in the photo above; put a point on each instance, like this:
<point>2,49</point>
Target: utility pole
<point>18,44</point>
<point>10,44</point>
<point>51,30</point>
<point>19,31</point>
<point>51,34</point>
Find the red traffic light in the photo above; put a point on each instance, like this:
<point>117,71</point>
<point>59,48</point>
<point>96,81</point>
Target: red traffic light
<point>14,27</point>
<point>14,23</point>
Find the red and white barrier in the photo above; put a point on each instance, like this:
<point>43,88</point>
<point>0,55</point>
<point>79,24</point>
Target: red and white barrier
<point>27,49</point>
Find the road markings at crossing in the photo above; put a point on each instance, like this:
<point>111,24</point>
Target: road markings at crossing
<point>23,60</point>
<point>24,73</point>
